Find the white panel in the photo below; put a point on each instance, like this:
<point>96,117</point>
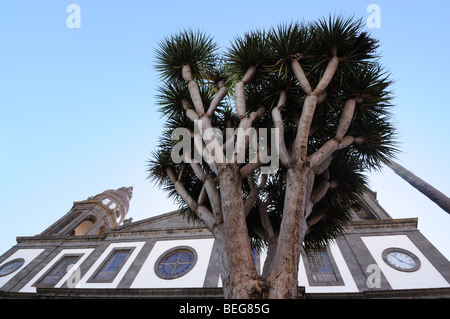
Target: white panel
<point>146,278</point>
<point>349,283</point>
<point>84,252</point>
<point>425,277</point>
<point>137,248</point>
<point>26,254</point>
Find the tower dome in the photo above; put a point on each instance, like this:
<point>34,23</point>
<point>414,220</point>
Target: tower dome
<point>116,200</point>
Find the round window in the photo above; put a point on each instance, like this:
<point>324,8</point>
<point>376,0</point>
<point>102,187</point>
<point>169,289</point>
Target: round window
<point>176,262</point>
<point>11,267</point>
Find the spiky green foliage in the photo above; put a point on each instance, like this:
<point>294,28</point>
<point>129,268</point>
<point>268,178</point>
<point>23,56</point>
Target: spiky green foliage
<point>189,47</point>
<point>359,76</point>
<point>246,51</point>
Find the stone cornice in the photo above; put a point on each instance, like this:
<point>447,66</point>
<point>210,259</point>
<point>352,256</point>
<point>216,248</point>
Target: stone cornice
<point>404,223</point>
<point>353,227</point>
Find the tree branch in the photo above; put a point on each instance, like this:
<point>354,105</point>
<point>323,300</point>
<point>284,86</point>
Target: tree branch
<point>209,186</point>
<point>328,74</point>
<point>250,200</point>
<point>278,122</point>
<point>254,193</point>
<point>314,219</point>
<point>250,167</point>
<point>244,134</point>
<point>211,142</point>
<point>207,217</point>
<point>201,149</point>
<point>206,129</point>
<point>265,221</point>
<point>198,170</point>
<point>258,114</point>
<point>346,118</point>
<point>182,171</point>
<point>251,72</point>
<point>432,193</point>
<point>240,100</point>
<point>319,169</point>
<point>214,199</point>
<point>309,107</point>
<point>221,93</point>
<point>171,175</point>
<point>300,76</point>
<point>303,127</point>
<point>339,141</point>
<point>202,196</point>
<point>201,211</point>
<point>318,216</point>
<point>321,190</point>
<point>190,113</point>
<point>193,89</point>
<point>241,108</point>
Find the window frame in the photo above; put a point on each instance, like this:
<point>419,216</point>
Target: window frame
<point>38,283</point>
<point>19,260</point>
<point>166,254</point>
<point>108,258</point>
<point>309,274</point>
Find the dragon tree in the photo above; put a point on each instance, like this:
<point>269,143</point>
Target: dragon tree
<point>267,141</point>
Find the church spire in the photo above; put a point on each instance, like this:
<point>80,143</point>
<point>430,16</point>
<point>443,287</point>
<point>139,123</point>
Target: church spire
<point>95,215</point>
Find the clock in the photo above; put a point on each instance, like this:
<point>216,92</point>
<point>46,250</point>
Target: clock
<point>401,259</point>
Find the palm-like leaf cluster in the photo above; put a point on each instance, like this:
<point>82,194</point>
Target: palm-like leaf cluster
<point>359,76</point>
<point>189,47</point>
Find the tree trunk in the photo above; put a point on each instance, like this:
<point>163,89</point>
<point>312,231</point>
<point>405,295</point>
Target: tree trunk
<point>432,193</point>
<point>241,280</point>
<point>283,278</point>
<point>221,241</point>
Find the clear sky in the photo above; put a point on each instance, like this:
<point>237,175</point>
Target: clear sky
<point>78,113</point>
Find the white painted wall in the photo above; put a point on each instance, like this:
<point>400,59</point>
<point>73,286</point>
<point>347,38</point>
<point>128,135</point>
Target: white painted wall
<point>83,283</point>
<point>427,276</point>
<point>26,254</point>
<point>84,252</point>
<point>349,283</point>
<point>146,278</point>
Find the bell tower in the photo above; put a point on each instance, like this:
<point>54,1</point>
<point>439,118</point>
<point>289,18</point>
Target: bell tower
<point>94,215</point>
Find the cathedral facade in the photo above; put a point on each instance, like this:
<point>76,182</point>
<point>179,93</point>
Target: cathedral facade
<point>93,251</point>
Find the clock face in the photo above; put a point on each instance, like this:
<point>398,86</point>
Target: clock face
<point>401,259</point>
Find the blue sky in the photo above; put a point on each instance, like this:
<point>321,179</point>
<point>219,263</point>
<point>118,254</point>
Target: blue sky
<point>78,111</point>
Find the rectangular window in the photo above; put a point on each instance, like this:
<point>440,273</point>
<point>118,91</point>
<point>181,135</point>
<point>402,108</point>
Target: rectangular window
<point>321,269</point>
<point>320,266</point>
<point>111,267</point>
<point>54,275</point>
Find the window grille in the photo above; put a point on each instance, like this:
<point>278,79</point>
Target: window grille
<point>320,266</point>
